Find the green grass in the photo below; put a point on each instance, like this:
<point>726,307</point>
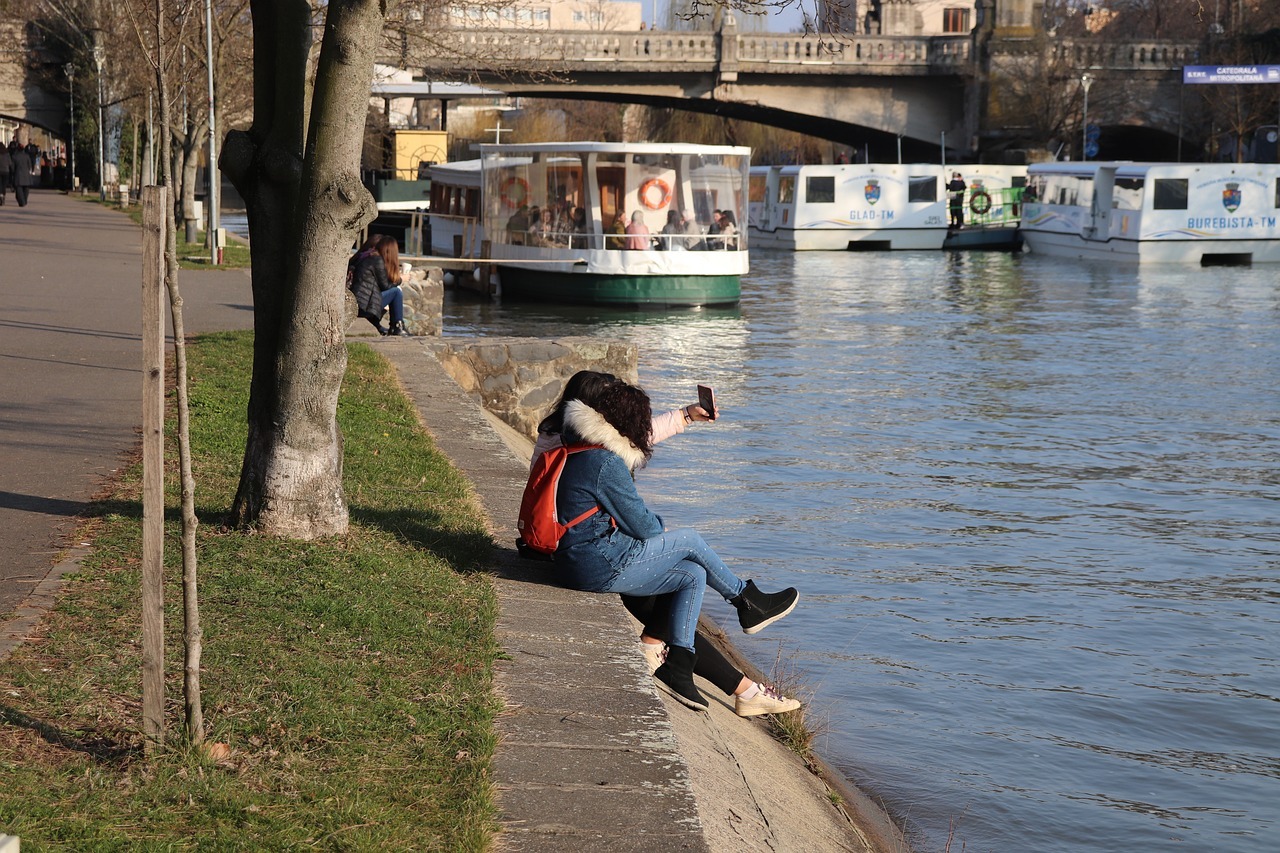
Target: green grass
<point>351,678</point>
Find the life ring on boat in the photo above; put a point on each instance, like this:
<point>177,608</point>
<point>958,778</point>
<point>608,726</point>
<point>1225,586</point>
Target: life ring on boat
<point>523,196</point>
<point>980,202</point>
<point>664,193</point>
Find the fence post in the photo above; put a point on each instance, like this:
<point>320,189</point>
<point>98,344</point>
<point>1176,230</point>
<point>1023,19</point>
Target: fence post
<point>155,219</point>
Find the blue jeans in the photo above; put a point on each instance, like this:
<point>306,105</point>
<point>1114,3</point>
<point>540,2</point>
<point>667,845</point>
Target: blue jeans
<point>394,297</point>
<point>679,562</point>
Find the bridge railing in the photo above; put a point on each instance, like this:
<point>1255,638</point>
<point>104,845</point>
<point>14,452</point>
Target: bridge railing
<point>944,53</point>
<point>1154,56</point>
<point>688,51</point>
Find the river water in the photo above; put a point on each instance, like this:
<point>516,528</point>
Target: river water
<point>1033,510</point>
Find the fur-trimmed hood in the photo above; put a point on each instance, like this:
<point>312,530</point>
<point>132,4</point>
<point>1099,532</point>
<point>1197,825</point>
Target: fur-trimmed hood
<point>584,422</point>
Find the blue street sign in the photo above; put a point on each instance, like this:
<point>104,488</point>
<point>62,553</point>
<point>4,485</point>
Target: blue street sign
<point>1091,132</point>
<point>1218,74</point>
<point>1091,149</point>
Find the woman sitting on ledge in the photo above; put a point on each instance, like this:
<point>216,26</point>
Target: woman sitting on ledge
<point>625,548</point>
<point>750,698</point>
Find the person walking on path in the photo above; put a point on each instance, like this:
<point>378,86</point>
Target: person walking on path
<point>6,167</point>
<point>21,172</point>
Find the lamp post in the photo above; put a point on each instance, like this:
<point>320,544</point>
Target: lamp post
<point>70,70</point>
<point>1086,80</point>
<point>215,251</point>
<point>98,56</point>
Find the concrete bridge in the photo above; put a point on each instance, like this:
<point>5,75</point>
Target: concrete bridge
<point>875,90</point>
<point>845,88</point>
<point>838,88</point>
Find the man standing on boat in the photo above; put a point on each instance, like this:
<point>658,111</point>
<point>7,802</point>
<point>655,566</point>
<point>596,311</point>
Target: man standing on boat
<point>957,187</point>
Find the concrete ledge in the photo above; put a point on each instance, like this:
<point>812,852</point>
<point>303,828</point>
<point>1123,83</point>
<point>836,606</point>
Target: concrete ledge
<point>587,758</point>
<point>591,757</point>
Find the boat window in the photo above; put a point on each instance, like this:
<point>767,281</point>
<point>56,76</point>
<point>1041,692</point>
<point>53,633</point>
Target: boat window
<point>1128,194</point>
<point>756,188</point>
<point>787,189</point>
<point>820,189</point>
<point>1170,194</point>
<point>1277,192</point>
<point>922,189</point>
<point>1068,190</point>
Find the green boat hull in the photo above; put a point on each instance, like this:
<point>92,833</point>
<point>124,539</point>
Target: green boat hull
<point>668,291</point>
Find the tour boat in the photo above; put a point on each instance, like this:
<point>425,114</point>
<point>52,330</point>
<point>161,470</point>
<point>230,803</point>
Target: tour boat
<point>1207,213</point>
<point>875,206</point>
<point>540,216</point>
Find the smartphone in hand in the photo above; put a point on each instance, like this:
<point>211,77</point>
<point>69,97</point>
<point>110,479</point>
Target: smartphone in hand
<point>707,400</point>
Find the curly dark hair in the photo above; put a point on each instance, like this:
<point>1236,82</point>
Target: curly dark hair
<point>628,410</point>
<point>585,385</point>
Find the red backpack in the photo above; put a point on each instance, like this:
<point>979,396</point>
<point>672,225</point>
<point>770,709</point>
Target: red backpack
<point>539,523</point>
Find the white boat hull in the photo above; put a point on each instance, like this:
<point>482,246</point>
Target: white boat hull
<point>845,239</point>
<point>1158,213</point>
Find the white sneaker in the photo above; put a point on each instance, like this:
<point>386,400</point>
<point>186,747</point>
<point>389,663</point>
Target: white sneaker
<point>766,701</point>
<point>655,654</point>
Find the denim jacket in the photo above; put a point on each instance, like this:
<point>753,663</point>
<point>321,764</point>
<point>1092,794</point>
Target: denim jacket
<point>594,550</point>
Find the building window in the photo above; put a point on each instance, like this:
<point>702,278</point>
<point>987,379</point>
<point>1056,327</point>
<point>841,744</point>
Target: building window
<point>955,21</point>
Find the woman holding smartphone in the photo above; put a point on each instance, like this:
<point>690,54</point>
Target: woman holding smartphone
<point>626,549</point>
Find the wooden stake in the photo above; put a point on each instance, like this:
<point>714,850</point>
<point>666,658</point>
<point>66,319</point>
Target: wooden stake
<point>155,219</point>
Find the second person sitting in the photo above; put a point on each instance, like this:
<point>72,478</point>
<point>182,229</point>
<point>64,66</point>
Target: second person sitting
<point>625,548</point>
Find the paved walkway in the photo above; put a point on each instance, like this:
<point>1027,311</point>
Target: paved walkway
<point>590,758</point>
<point>71,367</point>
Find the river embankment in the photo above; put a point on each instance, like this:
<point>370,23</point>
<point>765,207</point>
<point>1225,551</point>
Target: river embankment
<point>591,755</point>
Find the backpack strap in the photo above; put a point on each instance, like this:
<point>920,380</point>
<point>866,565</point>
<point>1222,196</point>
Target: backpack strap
<point>578,448</point>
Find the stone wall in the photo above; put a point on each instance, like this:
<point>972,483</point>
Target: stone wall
<point>520,379</point>
<point>423,301</point>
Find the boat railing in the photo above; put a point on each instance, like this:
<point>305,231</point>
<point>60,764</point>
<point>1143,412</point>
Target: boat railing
<point>993,207</point>
<point>464,243</point>
<point>659,242</point>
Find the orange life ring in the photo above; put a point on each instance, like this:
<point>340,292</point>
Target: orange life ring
<point>664,193</point>
<point>514,181</point>
<point>980,201</point>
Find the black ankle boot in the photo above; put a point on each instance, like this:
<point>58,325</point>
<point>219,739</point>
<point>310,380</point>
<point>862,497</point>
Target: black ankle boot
<point>398,331</point>
<point>676,676</point>
<point>758,610</point>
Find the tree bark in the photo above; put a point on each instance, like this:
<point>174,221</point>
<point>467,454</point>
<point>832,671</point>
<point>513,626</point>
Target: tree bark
<point>304,209</point>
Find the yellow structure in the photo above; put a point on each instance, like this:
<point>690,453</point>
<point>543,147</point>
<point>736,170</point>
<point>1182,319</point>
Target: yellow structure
<point>418,149</point>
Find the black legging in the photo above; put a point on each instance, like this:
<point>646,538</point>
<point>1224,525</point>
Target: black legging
<point>654,610</point>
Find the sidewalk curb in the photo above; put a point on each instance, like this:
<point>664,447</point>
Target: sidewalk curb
<point>22,623</point>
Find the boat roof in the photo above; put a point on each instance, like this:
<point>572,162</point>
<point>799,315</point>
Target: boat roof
<point>457,166</point>
<point>613,148</point>
<point>1134,168</point>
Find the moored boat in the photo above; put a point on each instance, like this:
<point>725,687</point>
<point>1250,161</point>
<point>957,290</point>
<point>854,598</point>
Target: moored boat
<point>873,207</point>
<point>1207,213</point>
<point>543,216</point>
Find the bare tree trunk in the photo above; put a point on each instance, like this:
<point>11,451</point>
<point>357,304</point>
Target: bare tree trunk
<point>192,632</point>
<point>303,215</point>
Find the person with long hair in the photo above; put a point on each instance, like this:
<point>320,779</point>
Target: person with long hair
<point>750,698</point>
<point>625,548</point>
<point>375,281</point>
